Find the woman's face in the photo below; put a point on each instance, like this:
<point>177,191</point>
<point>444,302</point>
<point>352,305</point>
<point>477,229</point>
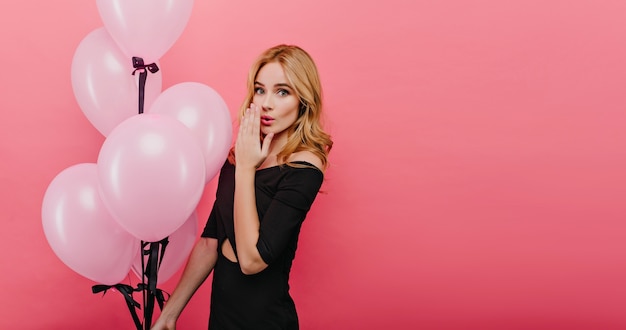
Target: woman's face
<point>277,99</point>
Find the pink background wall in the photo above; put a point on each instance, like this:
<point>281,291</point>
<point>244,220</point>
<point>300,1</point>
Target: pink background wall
<point>477,180</point>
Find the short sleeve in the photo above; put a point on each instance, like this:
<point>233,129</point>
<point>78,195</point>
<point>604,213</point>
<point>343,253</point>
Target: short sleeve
<point>282,221</point>
<point>226,174</point>
<point>210,229</point>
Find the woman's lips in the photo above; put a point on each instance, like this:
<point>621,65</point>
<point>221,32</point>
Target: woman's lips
<point>266,120</point>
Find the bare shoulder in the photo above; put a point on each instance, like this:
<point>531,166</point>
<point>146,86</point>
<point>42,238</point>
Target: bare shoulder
<point>307,156</point>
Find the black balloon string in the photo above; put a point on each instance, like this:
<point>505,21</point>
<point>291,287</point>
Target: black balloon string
<point>139,65</point>
<point>154,250</point>
<point>127,292</point>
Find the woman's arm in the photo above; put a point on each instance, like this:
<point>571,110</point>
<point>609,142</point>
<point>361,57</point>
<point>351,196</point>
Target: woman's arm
<point>200,264</point>
<point>247,223</point>
<point>249,155</point>
<point>254,249</point>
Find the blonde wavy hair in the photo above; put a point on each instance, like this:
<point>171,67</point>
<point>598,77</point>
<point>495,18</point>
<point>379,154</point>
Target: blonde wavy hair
<point>306,133</point>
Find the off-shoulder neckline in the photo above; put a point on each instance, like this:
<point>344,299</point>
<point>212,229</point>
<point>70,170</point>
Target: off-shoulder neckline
<point>303,162</point>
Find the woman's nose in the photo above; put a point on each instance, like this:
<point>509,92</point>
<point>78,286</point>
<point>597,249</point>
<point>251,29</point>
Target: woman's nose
<point>268,103</point>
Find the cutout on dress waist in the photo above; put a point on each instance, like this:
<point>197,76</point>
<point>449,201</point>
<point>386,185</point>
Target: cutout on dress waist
<point>228,252</point>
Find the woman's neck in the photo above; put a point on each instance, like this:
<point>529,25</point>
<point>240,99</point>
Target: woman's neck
<point>278,143</point>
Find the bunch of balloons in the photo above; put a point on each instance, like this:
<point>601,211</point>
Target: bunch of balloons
<point>153,166</point>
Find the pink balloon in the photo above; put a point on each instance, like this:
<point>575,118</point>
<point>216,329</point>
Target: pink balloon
<point>151,174</point>
<point>180,244</point>
<point>145,28</point>
<point>80,229</point>
<point>103,84</point>
<point>206,114</point>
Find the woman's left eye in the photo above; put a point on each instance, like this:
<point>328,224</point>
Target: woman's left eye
<point>282,92</point>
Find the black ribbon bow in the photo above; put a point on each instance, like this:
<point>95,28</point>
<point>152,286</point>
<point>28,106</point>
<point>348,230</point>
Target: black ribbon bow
<point>127,292</point>
<point>143,75</point>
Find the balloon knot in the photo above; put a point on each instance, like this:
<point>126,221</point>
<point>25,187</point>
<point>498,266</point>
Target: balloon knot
<point>140,66</point>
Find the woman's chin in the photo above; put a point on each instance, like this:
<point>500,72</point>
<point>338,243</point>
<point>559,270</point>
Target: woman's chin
<point>266,130</point>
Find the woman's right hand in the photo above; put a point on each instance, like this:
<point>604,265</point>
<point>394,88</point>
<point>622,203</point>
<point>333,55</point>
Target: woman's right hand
<point>163,324</point>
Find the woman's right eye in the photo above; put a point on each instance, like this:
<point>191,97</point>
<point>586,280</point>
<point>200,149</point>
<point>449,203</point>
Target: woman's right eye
<point>259,91</point>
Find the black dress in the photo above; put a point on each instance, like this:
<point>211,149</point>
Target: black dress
<point>284,195</point>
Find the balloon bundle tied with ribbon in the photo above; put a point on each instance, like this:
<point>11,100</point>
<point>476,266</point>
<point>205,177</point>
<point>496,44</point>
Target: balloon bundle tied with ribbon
<point>117,216</point>
<point>148,286</point>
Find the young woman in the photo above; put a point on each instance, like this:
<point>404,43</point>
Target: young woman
<point>265,190</point>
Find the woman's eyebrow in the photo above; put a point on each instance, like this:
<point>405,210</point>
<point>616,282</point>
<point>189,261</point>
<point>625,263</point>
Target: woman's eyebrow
<point>277,85</point>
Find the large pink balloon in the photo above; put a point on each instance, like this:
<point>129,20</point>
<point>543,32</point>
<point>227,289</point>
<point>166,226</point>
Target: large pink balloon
<point>80,229</point>
<point>145,28</point>
<point>206,114</point>
<point>103,84</point>
<point>151,174</point>
<point>176,252</point>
